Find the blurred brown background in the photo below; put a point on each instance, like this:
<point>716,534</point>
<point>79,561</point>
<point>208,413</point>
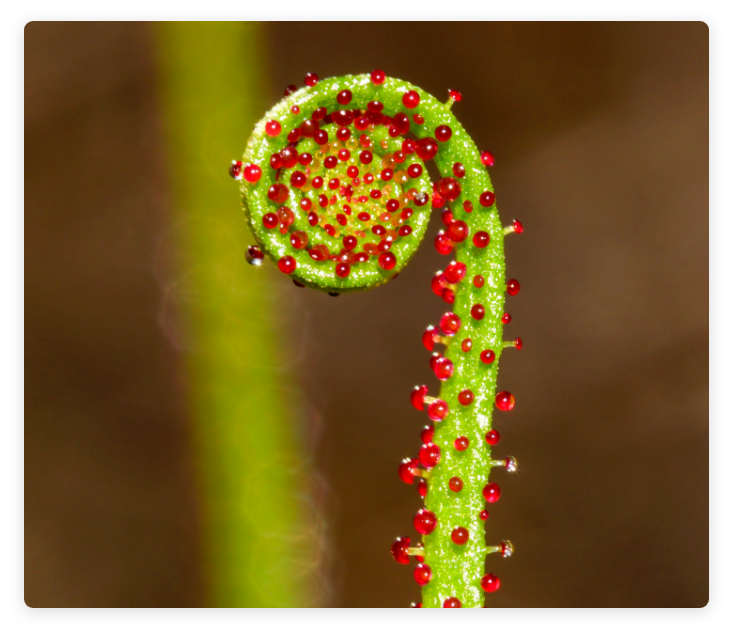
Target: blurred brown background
<point>600,133</point>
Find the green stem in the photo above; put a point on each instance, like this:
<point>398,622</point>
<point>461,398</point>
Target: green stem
<point>247,452</point>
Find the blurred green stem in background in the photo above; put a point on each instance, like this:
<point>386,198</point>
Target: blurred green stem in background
<point>256,545</point>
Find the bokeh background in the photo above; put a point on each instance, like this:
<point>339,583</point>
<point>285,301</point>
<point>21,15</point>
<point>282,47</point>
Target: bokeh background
<point>600,133</point>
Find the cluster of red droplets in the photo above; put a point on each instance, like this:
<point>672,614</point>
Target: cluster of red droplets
<point>349,189</point>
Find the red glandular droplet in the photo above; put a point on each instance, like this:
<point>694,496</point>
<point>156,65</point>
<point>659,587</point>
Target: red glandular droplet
<point>443,244</point>
<point>309,128</point>
<point>483,515</point>
<point>410,99</point>
<point>487,199</point>
<point>252,173</point>
<point>487,158</point>
<point>343,269</point>
<point>481,239</point>
<point>297,179</point>
<point>468,206</point>
<point>427,148</point>
<point>423,574</point>
<point>349,242</point>
<point>289,156</point>
<point>344,97</point>
<point>424,521</point>
<point>319,253</point>
<point>433,360</point>
<point>404,230</point>
<point>294,135</point>
<point>465,397</point>
<point>437,284</point>
<point>235,169</point>
<point>448,188</point>
<point>285,216</point>
<point>421,198</point>
<point>417,396</point>
<point>387,260</point>
<point>399,550</point>
<point>378,76</point>
<point>414,171</point>
<point>318,114</point>
<point>478,311</point>
<point>269,220</point>
<point>506,318</point>
<point>455,272</point>
<point>488,356</point>
<point>455,95</point>
<point>450,323</point>
<point>518,227</point>
<point>273,128</point>
<point>416,605</point>
<point>343,118</point>
<point>461,443</point>
<point>311,79</point>
<point>400,125</point>
<point>459,535</point>
<point>438,410</point>
<point>512,287</point>
<point>366,157</point>
<point>446,217</point>
<point>478,281</point>
<point>290,89</point>
<point>429,454</point>
<point>278,193</point>
<point>422,489</point>
<point>405,470</point>
<point>254,255</point>
<point>428,337</point>
<point>452,603</point>
<point>504,400</point>
<point>466,345</point>
<point>426,436</point>
<point>491,492</point>
<point>455,484</point>
<point>287,264</point>
<point>458,231</point>
<point>443,369</point>
<point>375,106</point>
<point>492,437</point>
<point>299,239</point>
<point>490,583</point>
<point>443,133</point>
<point>320,137</point>
<point>518,343</point>
<point>459,170</point>
<point>437,199</point>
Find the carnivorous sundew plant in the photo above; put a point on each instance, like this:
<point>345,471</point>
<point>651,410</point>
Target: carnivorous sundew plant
<point>337,193</point>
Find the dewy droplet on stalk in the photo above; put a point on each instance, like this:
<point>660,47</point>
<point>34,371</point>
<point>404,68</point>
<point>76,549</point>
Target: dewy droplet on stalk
<point>337,194</point>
